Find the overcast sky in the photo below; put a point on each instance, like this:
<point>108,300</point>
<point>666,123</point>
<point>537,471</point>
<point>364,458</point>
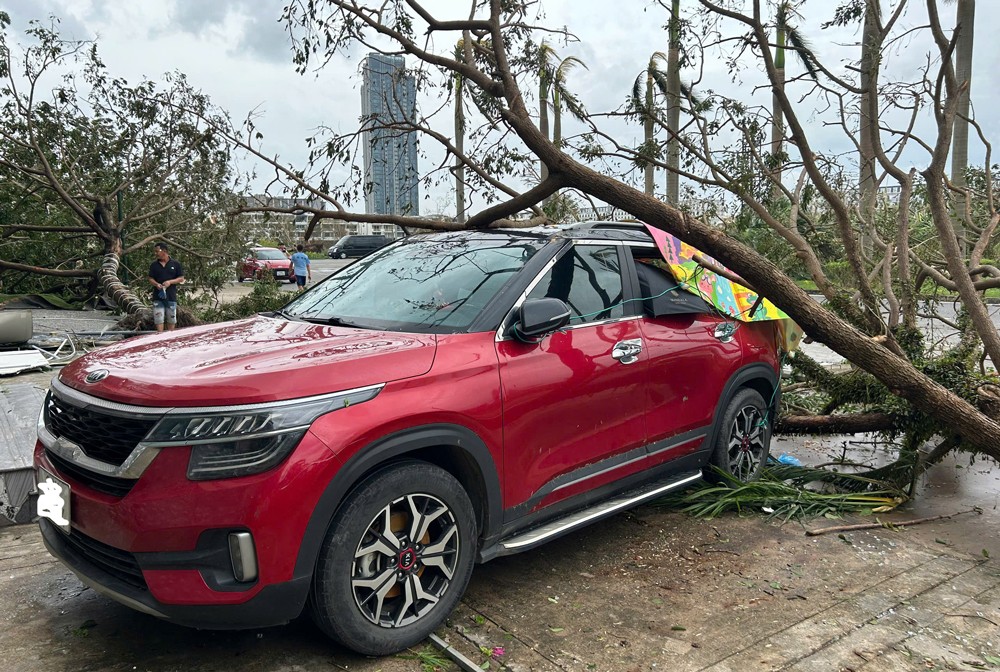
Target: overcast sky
<point>238,53</point>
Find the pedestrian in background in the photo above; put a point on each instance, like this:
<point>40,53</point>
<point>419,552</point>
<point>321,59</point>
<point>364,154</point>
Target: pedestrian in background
<point>300,266</point>
<point>165,274</point>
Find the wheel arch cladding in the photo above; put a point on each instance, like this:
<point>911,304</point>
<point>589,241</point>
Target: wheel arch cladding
<point>456,449</point>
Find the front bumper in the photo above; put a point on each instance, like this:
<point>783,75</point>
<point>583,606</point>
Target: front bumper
<point>274,604</point>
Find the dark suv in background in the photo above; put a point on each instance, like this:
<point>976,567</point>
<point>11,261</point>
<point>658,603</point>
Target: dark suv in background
<point>449,399</point>
<point>356,246</point>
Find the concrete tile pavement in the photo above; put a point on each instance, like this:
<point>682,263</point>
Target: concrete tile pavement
<point>647,590</point>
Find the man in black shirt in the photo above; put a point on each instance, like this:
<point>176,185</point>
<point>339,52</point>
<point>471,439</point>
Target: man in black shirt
<point>165,274</point>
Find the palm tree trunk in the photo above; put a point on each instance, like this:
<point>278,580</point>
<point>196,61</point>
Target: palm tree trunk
<point>777,116</point>
<point>673,104</point>
<point>866,147</point>
<point>460,146</point>
<point>647,134</point>
<point>965,22</point>
<point>543,116</point>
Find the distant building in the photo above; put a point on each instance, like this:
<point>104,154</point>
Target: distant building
<point>388,104</point>
<point>604,213</point>
<point>290,228</point>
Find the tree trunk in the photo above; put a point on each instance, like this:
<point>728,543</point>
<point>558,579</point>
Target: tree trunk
<point>460,146</point>
<point>647,133</point>
<point>777,116</point>
<point>117,291</point>
<point>673,104</point>
<point>836,424</point>
<point>543,115</point>
<point>866,151</point>
<point>965,23</point>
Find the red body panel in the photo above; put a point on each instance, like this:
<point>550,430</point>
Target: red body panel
<point>249,361</point>
<point>568,403</point>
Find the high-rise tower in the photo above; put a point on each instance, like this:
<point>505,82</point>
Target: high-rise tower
<point>388,104</point>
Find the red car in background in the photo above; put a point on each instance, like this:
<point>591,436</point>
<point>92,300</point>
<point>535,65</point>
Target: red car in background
<point>448,399</point>
<point>264,261</point>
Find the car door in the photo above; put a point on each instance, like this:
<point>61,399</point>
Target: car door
<point>573,403</point>
<point>692,352</point>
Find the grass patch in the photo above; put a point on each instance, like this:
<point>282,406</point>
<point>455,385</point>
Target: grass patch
<point>807,285</point>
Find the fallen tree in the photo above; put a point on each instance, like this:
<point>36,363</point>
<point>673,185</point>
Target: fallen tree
<point>900,384</point>
<point>94,171</point>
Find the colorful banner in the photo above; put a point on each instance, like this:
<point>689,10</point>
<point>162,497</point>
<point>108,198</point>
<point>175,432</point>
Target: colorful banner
<point>729,298</point>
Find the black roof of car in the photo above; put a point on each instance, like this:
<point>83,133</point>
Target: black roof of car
<point>602,230</point>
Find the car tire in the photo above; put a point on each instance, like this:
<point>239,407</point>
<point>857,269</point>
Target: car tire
<point>743,441</point>
<point>343,255</point>
<point>373,590</point>
<point>240,278</point>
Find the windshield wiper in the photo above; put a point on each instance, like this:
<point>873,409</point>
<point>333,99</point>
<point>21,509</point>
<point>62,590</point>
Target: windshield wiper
<point>333,322</point>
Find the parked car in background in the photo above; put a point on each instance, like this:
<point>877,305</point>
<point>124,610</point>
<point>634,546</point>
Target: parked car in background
<point>449,399</point>
<point>263,261</point>
<point>356,246</point>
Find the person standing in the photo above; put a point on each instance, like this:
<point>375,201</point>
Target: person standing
<point>300,266</point>
<point>164,275</point>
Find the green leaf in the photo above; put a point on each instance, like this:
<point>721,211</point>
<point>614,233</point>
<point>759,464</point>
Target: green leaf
<point>986,553</point>
<point>556,629</point>
<point>678,628</point>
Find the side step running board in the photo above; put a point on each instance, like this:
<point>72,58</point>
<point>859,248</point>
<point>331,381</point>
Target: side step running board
<point>539,535</point>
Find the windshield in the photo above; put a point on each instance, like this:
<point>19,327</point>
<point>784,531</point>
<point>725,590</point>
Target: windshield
<point>270,255</point>
<point>434,284</point>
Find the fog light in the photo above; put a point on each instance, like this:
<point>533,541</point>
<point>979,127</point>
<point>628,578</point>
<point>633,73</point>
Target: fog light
<point>244,556</point>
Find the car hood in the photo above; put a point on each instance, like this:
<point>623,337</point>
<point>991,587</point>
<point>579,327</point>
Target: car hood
<point>274,263</point>
<point>248,361</point>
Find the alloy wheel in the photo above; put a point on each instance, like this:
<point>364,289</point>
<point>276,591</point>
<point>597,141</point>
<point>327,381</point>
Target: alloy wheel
<point>405,560</point>
<point>747,446</point>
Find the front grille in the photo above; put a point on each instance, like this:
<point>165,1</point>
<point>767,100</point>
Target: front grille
<point>109,485</point>
<point>119,564</point>
<point>102,436</point>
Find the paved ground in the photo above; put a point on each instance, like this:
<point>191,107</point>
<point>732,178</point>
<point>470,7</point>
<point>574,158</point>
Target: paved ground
<point>648,590</point>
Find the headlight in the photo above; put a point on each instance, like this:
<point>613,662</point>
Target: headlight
<point>243,440</point>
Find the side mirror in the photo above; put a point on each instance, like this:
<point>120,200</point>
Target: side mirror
<point>538,317</point>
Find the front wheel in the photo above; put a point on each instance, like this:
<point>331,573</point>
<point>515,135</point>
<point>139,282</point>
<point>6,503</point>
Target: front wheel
<point>396,560</point>
<point>343,255</point>
<point>744,438</point>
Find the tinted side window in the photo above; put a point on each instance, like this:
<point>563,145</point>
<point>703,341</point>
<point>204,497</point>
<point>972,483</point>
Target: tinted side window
<point>588,278</point>
<point>661,293</point>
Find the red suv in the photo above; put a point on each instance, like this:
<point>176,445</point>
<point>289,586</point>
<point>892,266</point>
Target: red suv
<point>263,261</point>
<point>446,400</point>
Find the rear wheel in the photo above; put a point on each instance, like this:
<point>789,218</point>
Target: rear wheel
<point>396,559</point>
<point>744,438</point>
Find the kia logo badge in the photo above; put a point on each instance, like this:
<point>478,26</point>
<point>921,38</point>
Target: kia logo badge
<point>97,376</point>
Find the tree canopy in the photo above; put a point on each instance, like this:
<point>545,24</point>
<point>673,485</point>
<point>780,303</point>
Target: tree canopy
<point>93,170</point>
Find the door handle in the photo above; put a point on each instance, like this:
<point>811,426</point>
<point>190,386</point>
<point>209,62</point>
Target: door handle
<point>627,352</point>
<point>724,331</point>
